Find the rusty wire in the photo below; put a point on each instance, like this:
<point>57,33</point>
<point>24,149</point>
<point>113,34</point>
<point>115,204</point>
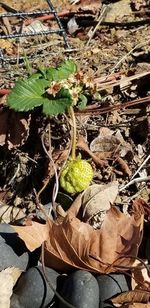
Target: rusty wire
<point>14,13</point>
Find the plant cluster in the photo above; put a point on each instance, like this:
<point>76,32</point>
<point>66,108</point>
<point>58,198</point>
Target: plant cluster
<point>55,89</point>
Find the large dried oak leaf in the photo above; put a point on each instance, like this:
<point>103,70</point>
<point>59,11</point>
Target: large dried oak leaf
<point>74,244</point>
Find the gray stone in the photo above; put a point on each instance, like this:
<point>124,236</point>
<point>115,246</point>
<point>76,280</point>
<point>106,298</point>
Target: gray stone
<point>32,290</point>
<point>13,251</point>
<point>9,258</point>
<point>111,285</point>
<point>80,290</point>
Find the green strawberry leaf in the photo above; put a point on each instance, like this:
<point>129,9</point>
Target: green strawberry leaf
<point>31,93</point>
<point>63,71</point>
<point>56,106</point>
<point>82,101</point>
<point>35,76</point>
<point>59,104</point>
<point>27,94</point>
<point>69,66</point>
<point>52,74</point>
<point>66,68</point>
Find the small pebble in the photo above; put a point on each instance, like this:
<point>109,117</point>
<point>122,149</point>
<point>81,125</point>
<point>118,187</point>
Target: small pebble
<point>81,290</point>
<point>111,285</point>
<point>13,252</point>
<point>32,290</point>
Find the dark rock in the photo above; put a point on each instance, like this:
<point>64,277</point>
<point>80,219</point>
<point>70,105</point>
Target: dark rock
<point>13,251</point>
<point>111,285</point>
<point>80,290</point>
<point>32,290</point>
<point>9,258</point>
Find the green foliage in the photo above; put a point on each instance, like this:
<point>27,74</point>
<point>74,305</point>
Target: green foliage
<point>55,89</point>
<point>61,103</point>
<point>82,101</point>
<point>27,94</point>
<point>63,71</point>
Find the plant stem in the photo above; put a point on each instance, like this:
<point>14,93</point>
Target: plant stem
<point>74,133</point>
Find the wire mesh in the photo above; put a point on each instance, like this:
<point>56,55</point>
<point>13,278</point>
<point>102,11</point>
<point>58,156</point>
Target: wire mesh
<point>20,34</point>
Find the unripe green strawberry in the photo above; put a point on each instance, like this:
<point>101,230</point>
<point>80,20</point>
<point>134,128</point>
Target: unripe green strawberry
<point>76,175</point>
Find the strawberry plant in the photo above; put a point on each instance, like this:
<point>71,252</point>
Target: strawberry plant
<point>58,90</point>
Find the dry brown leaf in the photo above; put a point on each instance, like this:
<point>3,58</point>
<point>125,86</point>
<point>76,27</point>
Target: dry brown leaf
<point>81,143</point>
<point>110,142</point>
<point>98,198</point>
<point>140,277</point>
<point>35,27</point>
<point>135,305</point>
<point>103,155</point>
<point>33,235</point>
<point>58,158</point>
<point>136,296</point>
<point>105,142</point>
<point>142,205</point>
<point>75,244</point>
<point>123,166</point>
<point>8,279</point>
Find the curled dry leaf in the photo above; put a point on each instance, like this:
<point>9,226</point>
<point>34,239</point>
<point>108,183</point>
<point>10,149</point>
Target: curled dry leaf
<point>33,235</point>
<point>136,296</point>
<point>140,277</point>
<point>110,143</point>
<point>72,25</point>
<point>136,305</point>
<point>98,198</point>
<point>71,243</point>
<point>81,143</point>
